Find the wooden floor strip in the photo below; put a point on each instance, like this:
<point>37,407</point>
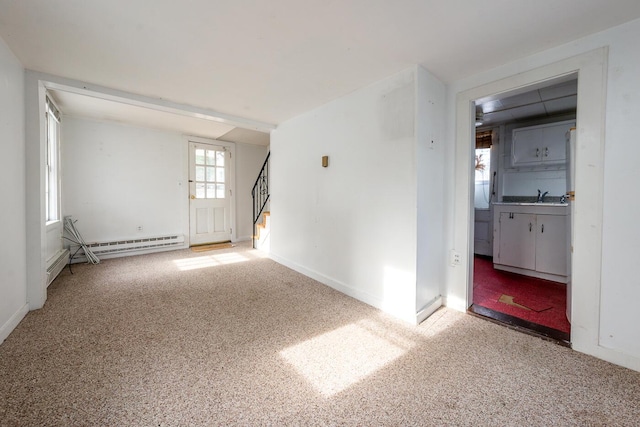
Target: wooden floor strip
<point>522,325</point>
<point>204,248</point>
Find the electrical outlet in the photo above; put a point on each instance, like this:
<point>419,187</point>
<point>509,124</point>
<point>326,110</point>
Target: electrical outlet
<point>455,258</point>
<point>139,228</point>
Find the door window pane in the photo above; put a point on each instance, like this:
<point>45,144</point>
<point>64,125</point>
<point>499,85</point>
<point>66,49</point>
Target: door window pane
<point>211,177</point>
<point>211,157</point>
<point>199,156</point>
<point>211,191</point>
<point>220,191</point>
<point>220,158</point>
<point>200,173</point>
<point>220,174</point>
<point>200,190</point>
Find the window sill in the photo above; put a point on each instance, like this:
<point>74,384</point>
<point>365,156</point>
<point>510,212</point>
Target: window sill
<point>52,224</point>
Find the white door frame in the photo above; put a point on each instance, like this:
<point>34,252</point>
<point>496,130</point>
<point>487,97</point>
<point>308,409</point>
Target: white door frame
<point>231,147</point>
<point>591,68</point>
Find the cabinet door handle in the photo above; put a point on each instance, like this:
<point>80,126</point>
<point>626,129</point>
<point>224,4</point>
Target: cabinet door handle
<point>537,152</point>
<point>546,151</point>
<point>530,227</point>
<point>542,230</point>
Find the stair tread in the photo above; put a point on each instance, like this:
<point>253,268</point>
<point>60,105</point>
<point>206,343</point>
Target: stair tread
<point>262,224</point>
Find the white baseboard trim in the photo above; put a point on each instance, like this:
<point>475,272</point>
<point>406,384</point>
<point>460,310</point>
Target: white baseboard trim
<point>428,310</point>
<point>332,283</point>
<point>13,321</point>
<point>581,343</point>
<point>56,264</point>
<point>364,297</point>
<point>455,304</point>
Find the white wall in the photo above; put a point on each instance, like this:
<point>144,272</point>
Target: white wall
<point>250,159</point>
<point>618,336</point>
<point>527,183</point>
<point>621,229</point>
<point>116,178</point>
<point>429,163</point>
<point>353,225</point>
<point>13,282</point>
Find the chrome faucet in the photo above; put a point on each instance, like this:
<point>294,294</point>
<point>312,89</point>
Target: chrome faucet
<point>541,196</point>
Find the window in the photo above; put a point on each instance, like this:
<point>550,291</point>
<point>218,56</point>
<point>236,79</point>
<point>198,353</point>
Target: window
<point>52,166</point>
<point>483,170</point>
<point>209,174</point>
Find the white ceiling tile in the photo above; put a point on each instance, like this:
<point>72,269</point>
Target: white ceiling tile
<point>491,106</point>
<point>527,111</point>
<point>559,91</point>
<point>522,99</point>
<point>498,117</point>
<point>561,105</point>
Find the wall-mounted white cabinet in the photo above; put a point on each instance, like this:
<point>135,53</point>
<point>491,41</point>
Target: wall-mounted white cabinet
<point>542,145</point>
<point>532,239</point>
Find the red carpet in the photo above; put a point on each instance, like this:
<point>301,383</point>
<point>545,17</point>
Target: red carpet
<point>546,301</point>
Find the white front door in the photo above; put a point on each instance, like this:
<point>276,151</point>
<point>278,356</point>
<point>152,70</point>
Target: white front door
<point>209,193</point>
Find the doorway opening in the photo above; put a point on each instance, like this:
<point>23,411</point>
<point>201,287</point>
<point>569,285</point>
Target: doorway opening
<point>211,201</point>
<point>586,216</point>
<point>521,264</point>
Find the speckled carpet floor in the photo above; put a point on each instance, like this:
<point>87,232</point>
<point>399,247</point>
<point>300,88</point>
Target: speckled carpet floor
<point>231,338</point>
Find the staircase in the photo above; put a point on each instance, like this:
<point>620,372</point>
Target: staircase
<point>260,194</point>
<point>262,238</point>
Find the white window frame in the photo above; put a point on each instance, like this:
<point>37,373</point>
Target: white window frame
<point>52,163</point>
<point>483,181</point>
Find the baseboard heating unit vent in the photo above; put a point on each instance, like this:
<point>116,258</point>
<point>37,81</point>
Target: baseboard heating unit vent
<point>117,247</point>
<point>56,265</point>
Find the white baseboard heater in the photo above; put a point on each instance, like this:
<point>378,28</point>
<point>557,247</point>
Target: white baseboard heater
<point>56,265</point>
<point>116,247</point>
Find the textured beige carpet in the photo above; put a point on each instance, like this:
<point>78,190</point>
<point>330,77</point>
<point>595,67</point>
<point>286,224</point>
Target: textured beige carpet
<point>230,338</point>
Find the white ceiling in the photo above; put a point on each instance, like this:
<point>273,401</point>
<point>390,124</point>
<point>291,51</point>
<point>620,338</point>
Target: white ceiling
<point>76,105</point>
<point>272,60</point>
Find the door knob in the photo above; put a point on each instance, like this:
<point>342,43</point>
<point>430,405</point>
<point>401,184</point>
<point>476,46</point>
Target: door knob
<point>193,197</point>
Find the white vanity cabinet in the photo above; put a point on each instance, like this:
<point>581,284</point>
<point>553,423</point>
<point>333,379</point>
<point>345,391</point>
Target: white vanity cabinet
<point>542,145</point>
<point>517,242</point>
<point>532,239</point>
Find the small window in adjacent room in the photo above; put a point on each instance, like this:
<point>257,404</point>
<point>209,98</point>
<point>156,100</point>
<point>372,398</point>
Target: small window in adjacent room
<point>483,170</point>
<point>52,166</point>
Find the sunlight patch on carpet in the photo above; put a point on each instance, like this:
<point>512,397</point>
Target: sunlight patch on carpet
<point>334,361</point>
<point>209,261</point>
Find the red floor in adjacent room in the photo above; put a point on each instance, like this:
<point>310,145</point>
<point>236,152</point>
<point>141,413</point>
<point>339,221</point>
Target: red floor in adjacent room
<point>535,300</point>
